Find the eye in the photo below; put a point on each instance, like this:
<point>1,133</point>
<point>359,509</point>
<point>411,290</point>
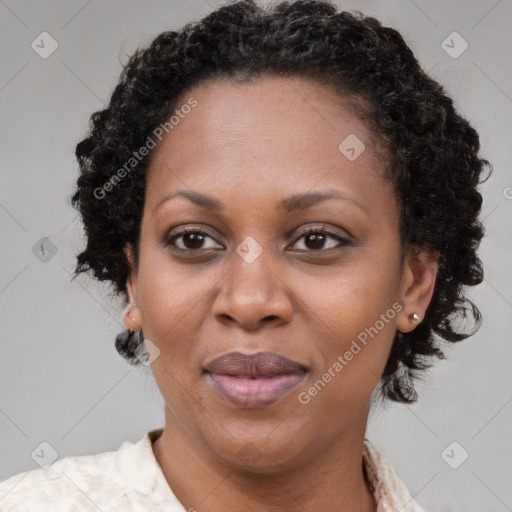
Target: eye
<point>192,239</point>
<point>315,238</point>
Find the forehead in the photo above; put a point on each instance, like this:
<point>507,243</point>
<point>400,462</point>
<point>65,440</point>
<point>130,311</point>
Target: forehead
<point>271,134</point>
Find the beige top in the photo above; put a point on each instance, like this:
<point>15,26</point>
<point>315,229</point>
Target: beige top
<point>130,479</point>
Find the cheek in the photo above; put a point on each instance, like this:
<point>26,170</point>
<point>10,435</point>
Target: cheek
<point>354,327</point>
<point>174,298</point>
<point>172,293</point>
<point>352,298</point>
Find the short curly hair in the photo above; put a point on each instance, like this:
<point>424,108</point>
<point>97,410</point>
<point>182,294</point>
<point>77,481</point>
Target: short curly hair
<point>432,151</point>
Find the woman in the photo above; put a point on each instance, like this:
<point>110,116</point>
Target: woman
<point>290,206</point>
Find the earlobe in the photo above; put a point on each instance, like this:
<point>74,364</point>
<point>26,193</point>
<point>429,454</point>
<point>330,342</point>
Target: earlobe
<point>417,287</point>
<point>131,317</point>
<point>131,314</point>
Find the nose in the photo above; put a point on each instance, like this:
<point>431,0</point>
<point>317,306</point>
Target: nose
<point>253,294</point>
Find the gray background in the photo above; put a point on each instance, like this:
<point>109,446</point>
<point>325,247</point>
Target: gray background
<point>61,380</point>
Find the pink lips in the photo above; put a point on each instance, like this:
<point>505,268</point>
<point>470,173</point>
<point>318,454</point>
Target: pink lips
<point>254,380</point>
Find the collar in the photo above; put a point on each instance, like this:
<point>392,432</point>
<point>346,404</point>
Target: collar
<point>389,491</point>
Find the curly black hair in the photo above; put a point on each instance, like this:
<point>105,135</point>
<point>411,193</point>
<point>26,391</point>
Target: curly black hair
<point>432,151</point>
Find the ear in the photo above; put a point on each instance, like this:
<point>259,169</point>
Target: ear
<point>131,315</point>
<point>416,285</point>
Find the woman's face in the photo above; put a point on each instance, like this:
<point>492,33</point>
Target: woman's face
<point>249,280</point>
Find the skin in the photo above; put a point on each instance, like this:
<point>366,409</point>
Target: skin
<point>250,146</point>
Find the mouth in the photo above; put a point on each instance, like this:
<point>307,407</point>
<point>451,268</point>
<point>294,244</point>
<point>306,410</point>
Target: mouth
<point>255,380</point>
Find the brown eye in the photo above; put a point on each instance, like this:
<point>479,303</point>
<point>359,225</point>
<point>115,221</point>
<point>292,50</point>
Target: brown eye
<point>315,239</point>
<point>192,239</point>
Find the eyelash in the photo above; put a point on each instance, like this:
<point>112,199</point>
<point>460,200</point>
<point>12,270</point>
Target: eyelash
<point>168,241</point>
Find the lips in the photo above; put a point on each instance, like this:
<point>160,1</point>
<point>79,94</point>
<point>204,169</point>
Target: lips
<point>262,364</point>
<point>254,380</point>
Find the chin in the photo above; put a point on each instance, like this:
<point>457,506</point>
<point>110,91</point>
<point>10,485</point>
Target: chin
<point>261,454</point>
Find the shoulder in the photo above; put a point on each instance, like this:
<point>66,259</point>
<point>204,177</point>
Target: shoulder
<point>80,483</point>
<point>389,490</point>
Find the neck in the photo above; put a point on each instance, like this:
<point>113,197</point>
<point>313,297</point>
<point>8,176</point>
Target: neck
<point>329,477</point>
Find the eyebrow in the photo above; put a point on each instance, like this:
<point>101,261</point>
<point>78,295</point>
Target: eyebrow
<point>289,204</point>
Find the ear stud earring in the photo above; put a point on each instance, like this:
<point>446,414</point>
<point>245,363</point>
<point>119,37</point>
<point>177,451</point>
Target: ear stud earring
<point>414,316</point>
